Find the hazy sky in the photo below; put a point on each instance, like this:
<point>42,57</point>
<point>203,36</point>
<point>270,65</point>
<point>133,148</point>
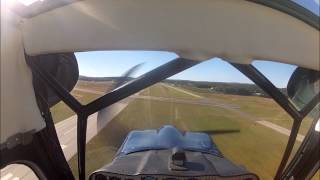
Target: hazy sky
<point>116,63</point>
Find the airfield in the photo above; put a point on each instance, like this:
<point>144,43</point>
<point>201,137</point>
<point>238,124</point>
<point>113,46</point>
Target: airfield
<point>251,131</point>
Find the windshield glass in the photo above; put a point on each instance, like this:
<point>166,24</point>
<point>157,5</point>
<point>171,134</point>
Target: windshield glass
<point>214,108</point>
<point>311,5</point>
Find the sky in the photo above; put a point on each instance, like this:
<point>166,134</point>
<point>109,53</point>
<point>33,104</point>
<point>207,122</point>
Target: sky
<point>116,63</point>
<point>311,5</point>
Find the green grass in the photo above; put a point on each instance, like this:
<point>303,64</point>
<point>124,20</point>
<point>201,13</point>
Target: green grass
<point>258,148</point>
<point>260,107</point>
<point>103,86</point>
<point>160,90</point>
<point>61,111</point>
<point>316,176</point>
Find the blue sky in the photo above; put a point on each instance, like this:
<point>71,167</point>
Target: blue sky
<point>311,5</point>
<point>116,63</point>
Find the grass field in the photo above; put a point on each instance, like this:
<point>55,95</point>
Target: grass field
<point>61,111</point>
<point>164,91</point>
<point>260,107</point>
<point>258,148</point>
<point>102,86</point>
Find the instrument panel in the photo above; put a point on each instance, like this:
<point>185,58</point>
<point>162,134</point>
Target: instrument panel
<point>179,162</point>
